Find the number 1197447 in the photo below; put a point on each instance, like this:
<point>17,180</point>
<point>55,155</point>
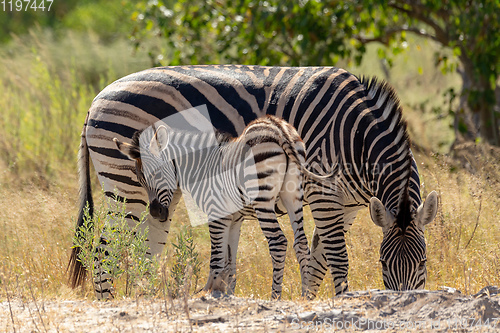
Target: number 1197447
<point>25,5</point>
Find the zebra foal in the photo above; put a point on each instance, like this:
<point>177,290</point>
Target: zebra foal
<point>226,176</point>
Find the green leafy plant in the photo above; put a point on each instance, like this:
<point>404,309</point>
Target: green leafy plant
<point>186,263</point>
<point>120,248</point>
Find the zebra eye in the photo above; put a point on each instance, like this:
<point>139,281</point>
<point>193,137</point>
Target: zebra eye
<point>384,265</point>
<point>422,264</point>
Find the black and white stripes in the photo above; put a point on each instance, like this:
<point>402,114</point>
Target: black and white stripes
<point>226,177</point>
<point>350,125</point>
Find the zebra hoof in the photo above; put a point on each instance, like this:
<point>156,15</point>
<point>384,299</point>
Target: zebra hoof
<point>309,296</point>
<point>276,296</point>
<point>217,294</point>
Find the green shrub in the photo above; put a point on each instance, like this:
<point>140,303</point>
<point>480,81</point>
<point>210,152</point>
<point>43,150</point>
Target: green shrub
<point>125,247</point>
<point>95,17</point>
<point>186,263</point>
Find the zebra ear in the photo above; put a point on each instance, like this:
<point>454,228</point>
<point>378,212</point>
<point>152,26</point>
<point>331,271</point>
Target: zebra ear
<point>159,141</point>
<point>428,210</point>
<point>127,149</point>
<point>379,214</point>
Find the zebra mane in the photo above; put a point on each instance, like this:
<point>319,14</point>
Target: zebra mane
<point>223,137</point>
<point>220,136</point>
<point>380,91</point>
<point>136,137</point>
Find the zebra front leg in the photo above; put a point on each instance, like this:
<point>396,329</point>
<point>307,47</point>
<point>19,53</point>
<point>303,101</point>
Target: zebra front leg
<point>234,237</point>
<point>317,267</point>
<point>219,239</point>
<point>277,246</point>
<point>328,248</point>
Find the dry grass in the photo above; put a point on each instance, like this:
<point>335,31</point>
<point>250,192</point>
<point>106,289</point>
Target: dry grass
<point>463,241</point>
<point>35,224</point>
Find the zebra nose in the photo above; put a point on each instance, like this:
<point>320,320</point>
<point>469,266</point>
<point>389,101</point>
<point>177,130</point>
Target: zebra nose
<point>158,211</point>
<point>404,286</point>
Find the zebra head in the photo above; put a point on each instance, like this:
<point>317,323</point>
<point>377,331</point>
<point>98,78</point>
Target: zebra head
<point>156,175</point>
<point>403,251</point>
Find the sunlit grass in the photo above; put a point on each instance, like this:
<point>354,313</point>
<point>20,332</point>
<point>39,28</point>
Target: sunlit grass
<point>48,84</point>
<point>34,238</point>
<point>463,241</point>
<point>37,227</point>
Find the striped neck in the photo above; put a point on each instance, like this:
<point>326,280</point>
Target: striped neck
<point>201,156</point>
<point>387,156</point>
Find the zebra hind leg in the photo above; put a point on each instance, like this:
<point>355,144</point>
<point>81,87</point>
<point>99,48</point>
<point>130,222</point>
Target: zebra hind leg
<point>292,199</point>
<point>219,239</point>
<point>232,248</point>
<point>277,246</point>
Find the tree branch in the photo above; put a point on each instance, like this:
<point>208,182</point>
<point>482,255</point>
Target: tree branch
<point>292,54</point>
<point>384,39</point>
<point>419,12</point>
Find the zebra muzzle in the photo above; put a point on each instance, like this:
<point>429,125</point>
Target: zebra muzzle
<point>158,211</point>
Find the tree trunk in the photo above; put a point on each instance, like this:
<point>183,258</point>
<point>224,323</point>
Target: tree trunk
<point>465,126</point>
<point>476,115</point>
<point>489,124</point>
<point>483,105</point>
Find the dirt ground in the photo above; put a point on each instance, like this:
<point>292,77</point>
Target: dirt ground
<point>412,311</point>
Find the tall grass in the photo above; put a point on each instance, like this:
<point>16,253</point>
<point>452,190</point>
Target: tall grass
<point>41,116</point>
<point>48,85</point>
<point>47,89</point>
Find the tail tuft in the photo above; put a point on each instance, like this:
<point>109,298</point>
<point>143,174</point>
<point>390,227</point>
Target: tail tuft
<point>77,271</point>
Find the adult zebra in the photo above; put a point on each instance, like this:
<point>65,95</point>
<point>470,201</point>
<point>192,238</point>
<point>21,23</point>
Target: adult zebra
<point>355,126</point>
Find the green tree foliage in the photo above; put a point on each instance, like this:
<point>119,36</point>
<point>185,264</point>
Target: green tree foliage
<point>314,32</point>
<point>470,29</point>
<point>272,32</point>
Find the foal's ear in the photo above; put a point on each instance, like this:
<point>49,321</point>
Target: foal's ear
<point>159,141</point>
<point>127,149</point>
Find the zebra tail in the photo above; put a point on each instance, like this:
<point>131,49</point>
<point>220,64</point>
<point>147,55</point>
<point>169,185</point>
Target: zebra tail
<point>77,271</point>
<point>294,155</point>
